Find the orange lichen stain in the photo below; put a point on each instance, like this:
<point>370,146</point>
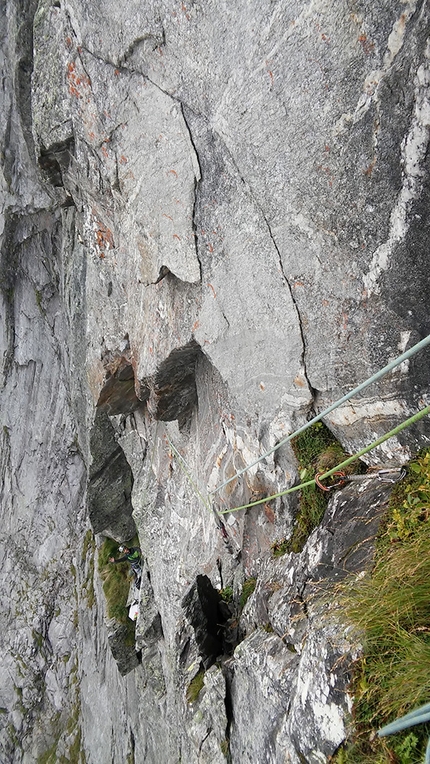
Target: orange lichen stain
<point>325,37</point>
<point>104,237</point>
<point>368,171</point>
<point>76,82</point>
<point>167,216</point>
<point>370,86</point>
<point>326,147</point>
<point>299,381</point>
<point>123,159</point>
<point>105,151</point>
<point>210,247</point>
<point>325,303</point>
<point>262,386</point>
<point>172,172</point>
<point>298,284</point>
<point>366,44</point>
<point>344,320</point>
<point>175,236</point>
<point>268,511</point>
<point>402,21</point>
<point>195,326</point>
<point>117,72</point>
<point>213,290</point>
<point>68,42</point>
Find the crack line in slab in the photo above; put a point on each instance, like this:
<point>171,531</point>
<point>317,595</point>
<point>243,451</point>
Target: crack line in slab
<point>196,184</point>
<point>312,390</point>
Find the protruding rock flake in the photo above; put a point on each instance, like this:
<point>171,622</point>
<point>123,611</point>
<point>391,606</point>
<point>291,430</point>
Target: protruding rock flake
<point>213,224</point>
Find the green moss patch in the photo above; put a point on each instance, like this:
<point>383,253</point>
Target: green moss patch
<point>116,581</point>
<point>316,451</point>
<point>195,686</point>
<point>247,589</point>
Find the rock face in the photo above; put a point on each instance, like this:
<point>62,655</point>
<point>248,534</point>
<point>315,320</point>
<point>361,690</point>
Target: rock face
<point>213,223</point>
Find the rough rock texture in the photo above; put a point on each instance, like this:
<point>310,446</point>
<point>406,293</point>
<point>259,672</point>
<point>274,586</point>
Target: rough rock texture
<point>213,223</point>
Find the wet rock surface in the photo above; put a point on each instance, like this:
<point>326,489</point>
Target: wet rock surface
<point>213,223</point>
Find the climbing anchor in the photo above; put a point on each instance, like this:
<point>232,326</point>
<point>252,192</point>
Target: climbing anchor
<point>384,475</point>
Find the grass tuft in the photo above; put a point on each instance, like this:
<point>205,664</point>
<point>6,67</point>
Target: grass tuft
<point>247,589</point>
<point>116,581</point>
<point>391,609</point>
<point>195,686</point>
<point>227,594</point>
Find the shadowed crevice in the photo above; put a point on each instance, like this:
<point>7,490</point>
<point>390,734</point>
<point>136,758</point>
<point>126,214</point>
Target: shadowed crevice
<point>174,393</point>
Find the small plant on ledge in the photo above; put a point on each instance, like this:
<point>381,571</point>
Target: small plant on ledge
<point>316,451</point>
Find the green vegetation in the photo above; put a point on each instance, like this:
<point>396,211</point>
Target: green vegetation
<point>316,451</point>
<point>89,545</point>
<point>116,581</point>
<point>116,587</point>
<point>72,733</point>
<point>39,301</point>
<point>195,686</point>
<point>280,548</point>
<point>227,594</point>
<point>75,755</point>
<point>391,609</point>
<point>76,618</point>
<point>225,747</point>
<point>50,756</point>
<point>247,589</point>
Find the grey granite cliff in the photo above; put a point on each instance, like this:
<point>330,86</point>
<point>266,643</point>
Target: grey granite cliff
<point>213,223</point>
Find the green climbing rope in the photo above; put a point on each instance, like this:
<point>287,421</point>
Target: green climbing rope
<point>389,367</point>
<point>415,418</point>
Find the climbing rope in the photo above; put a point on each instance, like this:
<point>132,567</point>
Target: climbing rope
<point>390,475</point>
<point>389,367</point>
<point>415,418</point>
